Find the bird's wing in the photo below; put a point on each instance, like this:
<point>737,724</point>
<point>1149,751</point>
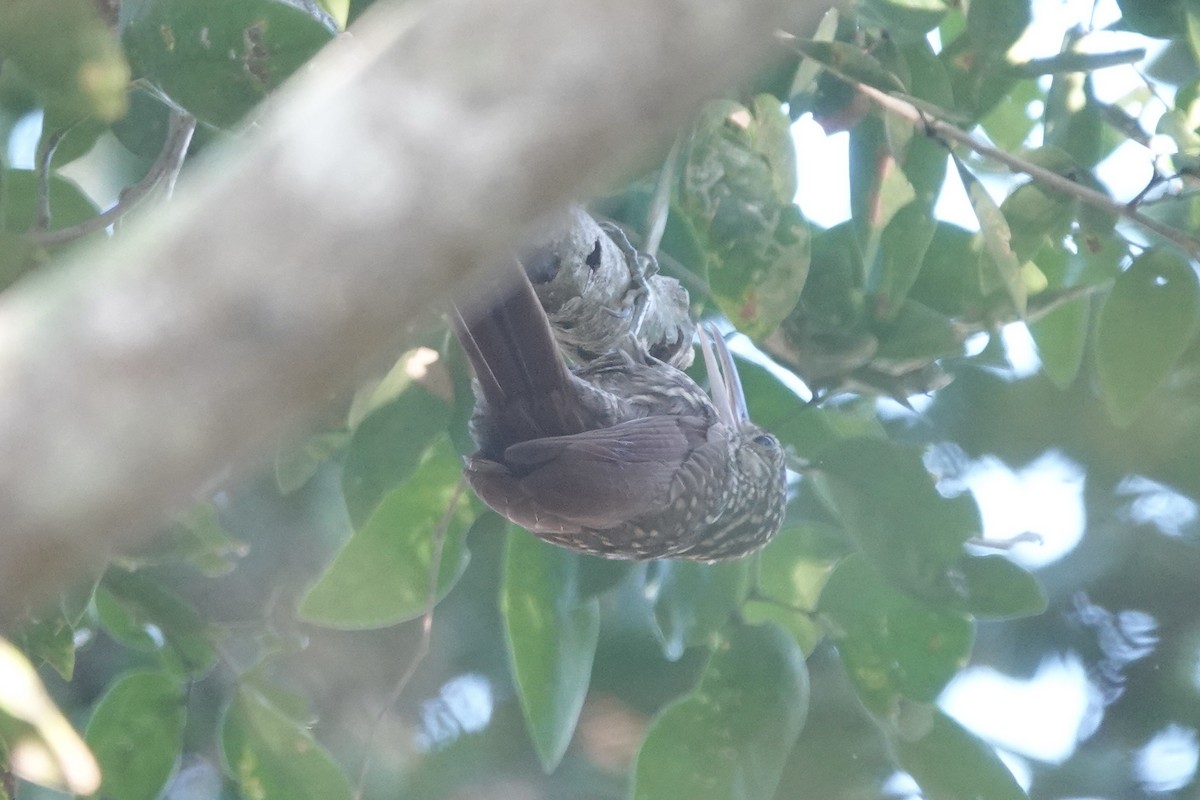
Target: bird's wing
<point>602,478</point>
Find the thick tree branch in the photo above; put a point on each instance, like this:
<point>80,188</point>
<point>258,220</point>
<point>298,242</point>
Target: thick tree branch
<point>415,150</point>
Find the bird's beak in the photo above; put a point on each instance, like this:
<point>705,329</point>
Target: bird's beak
<point>723,381</point>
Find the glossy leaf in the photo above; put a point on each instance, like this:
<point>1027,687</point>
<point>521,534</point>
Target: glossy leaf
<point>950,763</point>
<point>729,738</point>
<point>693,601</point>
<point>381,574</point>
<point>1147,321</point>
<point>67,51</point>
<point>387,446</point>
<point>136,733</point>
<point>551,633</point>
<point>273,756</point>
<point>220,58</point>
<point>894,646</point>
<point>42,747</point>
<point>142,613</point>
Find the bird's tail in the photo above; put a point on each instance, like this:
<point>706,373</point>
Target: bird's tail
<point>519,367</point>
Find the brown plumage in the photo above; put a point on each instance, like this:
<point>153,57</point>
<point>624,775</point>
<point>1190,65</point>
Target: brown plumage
<point>624,456</point>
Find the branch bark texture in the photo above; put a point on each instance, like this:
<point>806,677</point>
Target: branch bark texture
<point>415,150</point>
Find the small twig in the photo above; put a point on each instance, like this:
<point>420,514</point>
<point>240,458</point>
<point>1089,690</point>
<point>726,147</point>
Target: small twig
<point>164,169</point>
<point>422,650</point>
<point>1048,178</point>
<point>41,220</point>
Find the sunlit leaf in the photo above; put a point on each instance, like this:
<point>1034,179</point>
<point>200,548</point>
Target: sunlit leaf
<point>1145,324</point>
<point>551,633</point>
<point>381,574</point>
<point>42,746</point>
<point>136,733</point>
<point>729,739</point>
<point>997,238</point>
<point>273,756</point>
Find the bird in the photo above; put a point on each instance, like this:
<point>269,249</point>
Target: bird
<point>623,456</point>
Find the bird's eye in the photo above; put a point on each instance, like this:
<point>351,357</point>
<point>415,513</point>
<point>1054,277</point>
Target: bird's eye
<point>766,440</point>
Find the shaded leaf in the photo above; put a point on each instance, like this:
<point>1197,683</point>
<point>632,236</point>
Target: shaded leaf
<point>136,733</point>
<point>387,446</point>
<point>295,465</point>
<point>894,646</point>
<point>221,58</point>
<point>551,633</point>
<point>67,52</point>
<point>1145,324</point>
<point>729,739</point>
<point>692,601</point>
<point>142,613</point>
<point>1060,337</point>
<point>950,763</point>
<point>273,756</point>
<point>888,503</point>
<point>381,574</point>
<point>996,588</point>
<point>196,538</point>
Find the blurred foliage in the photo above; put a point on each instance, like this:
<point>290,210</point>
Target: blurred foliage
<point>256,648</point>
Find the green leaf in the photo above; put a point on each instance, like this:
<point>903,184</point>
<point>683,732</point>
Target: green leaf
<point>141,613</point>
<point>551,633</point>
<point>381,575</point>
<point>901,254</point>
<point>693,601</point>
<point>387,446</point>
<point>218,59</point>
<point>1145,324</point>
<point>18,201</point>
<point>1060,336</point>
<point>893,646</point>
<point>913,17</point>
<point>274,757</point>
<point>136,733</point>
<point>997,238</point>
<point>295,465</point>
<point>198,539</point>
<point>996,24</point>
<point>42,747</point>
<point>950,763</point>
<point>996,588</point>
<point>50,639</point>
<point>729,739</point>
<point>889,505</point>
<point>792,571</point>
<point>1161,19</point>
<point>68,53</point>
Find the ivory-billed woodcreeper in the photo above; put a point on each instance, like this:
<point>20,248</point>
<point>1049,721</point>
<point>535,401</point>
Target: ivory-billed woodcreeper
<point>623,456</point>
